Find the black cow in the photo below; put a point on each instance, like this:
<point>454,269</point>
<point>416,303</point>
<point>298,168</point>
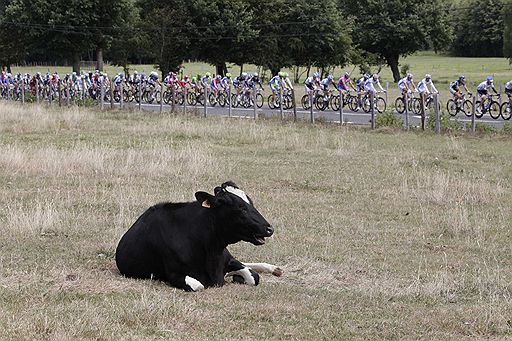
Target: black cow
<point>184,244</point>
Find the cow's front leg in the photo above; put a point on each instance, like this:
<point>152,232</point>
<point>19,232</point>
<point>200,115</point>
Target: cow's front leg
<point>184,282</point>
<point>265,268</point>
<point>241,273</point>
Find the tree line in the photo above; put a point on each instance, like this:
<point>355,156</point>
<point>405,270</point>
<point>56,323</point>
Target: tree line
<point>272,34</point>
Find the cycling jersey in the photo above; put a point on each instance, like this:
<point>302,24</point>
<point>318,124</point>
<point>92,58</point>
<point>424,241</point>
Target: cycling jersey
<point>324,84</point>
<point>423,86</point>
<point>204,80</point>
<point>343,83</point>
<point>215,83</point>
<point>360,83</point>
<point>369,84</point>
<point>118,79</point>
<point>310,82</point>
<point>485,86</point>
<point>404,83</point>
<point>508,86</point>
<point>237,81</point>
<point>275,83</point>
<point>224,82</point>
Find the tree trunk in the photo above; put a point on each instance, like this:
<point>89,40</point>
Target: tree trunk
<point>221,69</point>
<point>392,61</point>
<point>99,59</point>
<point>76,63</point>
<point>241,69</point>
<point>274,71</point>
<point>9,68</point>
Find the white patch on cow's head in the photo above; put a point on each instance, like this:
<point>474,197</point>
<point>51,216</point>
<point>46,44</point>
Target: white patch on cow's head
<point>193,283</point>
<point>238,192</point>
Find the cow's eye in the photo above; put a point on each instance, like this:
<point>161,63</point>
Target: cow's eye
<point>242,207</point>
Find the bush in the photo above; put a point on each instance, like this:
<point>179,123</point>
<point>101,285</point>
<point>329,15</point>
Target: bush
<point>447,124</point>
<point>388,119</point>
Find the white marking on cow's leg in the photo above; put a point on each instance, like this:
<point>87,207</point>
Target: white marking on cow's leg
<point>245,273</point>
<point>265,268</point>
<point>193,283</point>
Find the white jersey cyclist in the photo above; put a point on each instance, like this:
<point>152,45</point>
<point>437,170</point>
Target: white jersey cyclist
<point>369,84</point>
<point>424,84</point>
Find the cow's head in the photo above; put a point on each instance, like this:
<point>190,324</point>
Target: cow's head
<point>236,214</point>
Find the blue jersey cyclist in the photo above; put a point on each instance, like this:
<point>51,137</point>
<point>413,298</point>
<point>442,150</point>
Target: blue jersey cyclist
<point>456,85</point>
<point>483,91</point>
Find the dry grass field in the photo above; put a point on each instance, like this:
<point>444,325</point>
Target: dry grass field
<point>382,235</point>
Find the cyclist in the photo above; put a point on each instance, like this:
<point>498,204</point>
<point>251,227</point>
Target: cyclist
<point>205,79</point>
<point>406,84</point>
<point>508,89</point>
<point>455,87</point>
<point>345,82</point>
<point>312,83</point>
<point>215,84</point>
<point>483,91</point>
<point>423,88</point>
<point>118,79</point>
<point>276,84</point>
<point>369,84</point>
<point>360,89</point>
<point>324,86</point>
<point>287,83</point>
<point>225,81</point>
<point>255,80</point>
<point>154,82</point>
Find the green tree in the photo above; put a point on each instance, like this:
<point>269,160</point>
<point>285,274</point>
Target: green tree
<point>507,32</point>
<point>396,28</point>
<point>479,29</point>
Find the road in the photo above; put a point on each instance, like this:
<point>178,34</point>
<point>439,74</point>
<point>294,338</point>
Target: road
<point>356,118</point>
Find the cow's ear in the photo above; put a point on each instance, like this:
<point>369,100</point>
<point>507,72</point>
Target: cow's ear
<point>206,200</point>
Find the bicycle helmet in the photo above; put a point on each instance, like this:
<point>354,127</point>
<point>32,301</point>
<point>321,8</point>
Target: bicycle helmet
<point>219,77</point>
<point>490,79</point>
<point>285,74</point>
<point>347,75</point>
<point>207,74</point>
<point>185,77</point>
<point>375,76</point>
<point>280,74</point>
<point>135,73</point>
<point>330,77</point>
<point>316,75</point>
<point>409,76</point>
<point>255,74</point>
<point>228,75</point>
<point>244,74</point>
<point>428,76</point>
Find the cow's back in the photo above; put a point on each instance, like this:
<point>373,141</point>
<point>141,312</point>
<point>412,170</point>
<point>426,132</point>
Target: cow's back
<point>137,255</point>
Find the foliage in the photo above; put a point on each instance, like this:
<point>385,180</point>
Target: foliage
<point>507,31</point>
<point>388,119</point>
<point>391,29</point>
<point>447,124</point>
<point>478,27</point>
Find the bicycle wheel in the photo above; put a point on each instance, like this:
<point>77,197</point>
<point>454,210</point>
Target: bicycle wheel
<point>479,112</point>
<point>416,106</point>
<point>222,99</point>
<point>259,100</point>
<point>467,108</point>
<point>380,105</point>
<point>167,96</point>
<point>212,100</point>
<point>320,103</point>
<point>451,107</point>
<point>234,101</point>
<point>304,101</point>
<point>287,102</point>
<point>271,102</point>
<point>366,104</point>
<point>335,103</point>
<point>494,110</point>
<point>400,105</point>
<point>506,111</point>
<point>191,99</point>
<point>352,103</point>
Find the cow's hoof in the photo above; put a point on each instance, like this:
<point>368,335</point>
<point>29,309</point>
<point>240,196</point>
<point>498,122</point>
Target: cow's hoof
<point>278,272</point>
<point>193,284</point>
